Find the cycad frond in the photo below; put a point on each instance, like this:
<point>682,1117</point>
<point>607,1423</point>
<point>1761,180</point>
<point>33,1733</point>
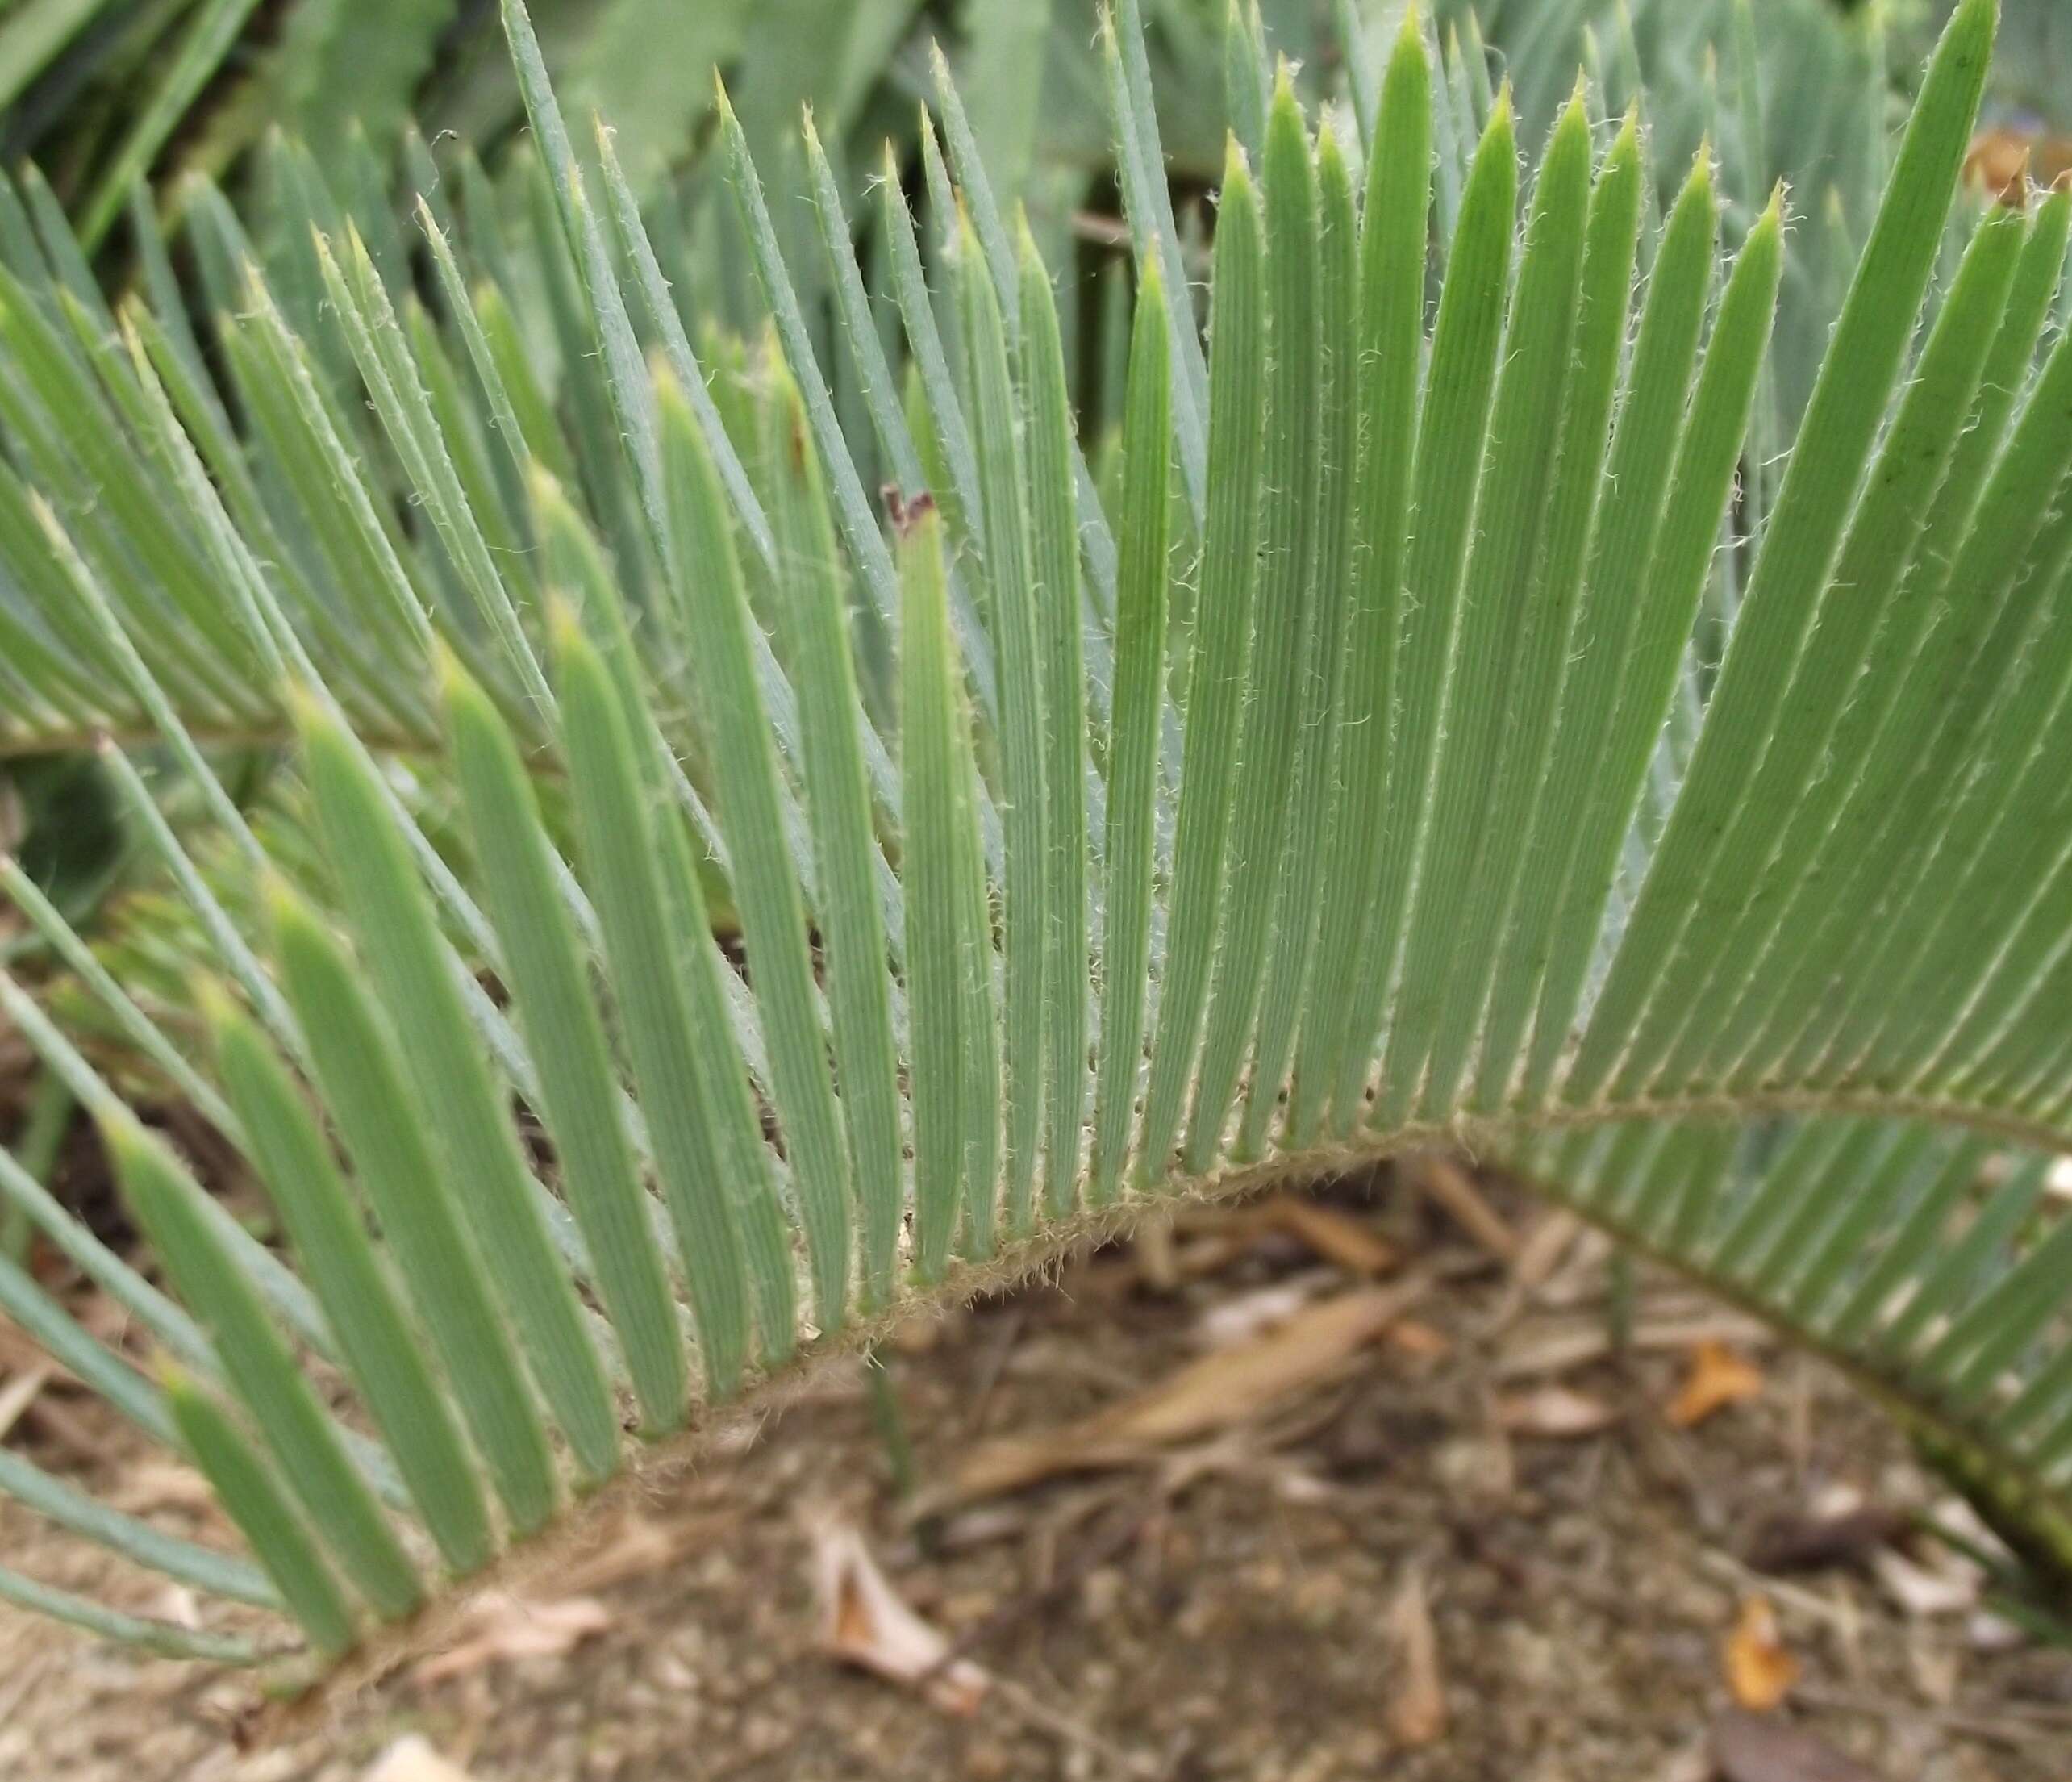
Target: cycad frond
<point>1366,785</point>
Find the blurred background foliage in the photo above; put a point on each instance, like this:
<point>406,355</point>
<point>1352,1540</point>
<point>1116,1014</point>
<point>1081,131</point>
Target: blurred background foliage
<point>98,92</point>
<point>101,94</point>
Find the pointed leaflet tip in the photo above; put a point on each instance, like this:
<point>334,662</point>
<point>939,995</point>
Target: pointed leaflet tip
<point>1411,58</point>
<point>1700,178</point>
<point>1236,170</point>
<point>967,233</point>
<point>1575,115</point>
<point>1026,251</point>
<point>1628,142</point>
<point>1284,83</point>
<point>1330,152</point>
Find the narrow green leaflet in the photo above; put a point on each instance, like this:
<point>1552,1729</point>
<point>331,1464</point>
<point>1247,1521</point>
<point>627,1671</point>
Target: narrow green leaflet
<point>358,1067</point>
<point>935,774</point>
<point>1394,240</point>
<point>1068,914</point>
<point>168,1639</point>
<point>1579,821</point>
<point>1813,508</point>
<point>1141,656</point>
<point>1451,446</point>
<point>563,1029</point>
<point>332,1245</point>
<point>206,1568</point>
<point>852,933</point>
<point>303,1439</point>
<point>707,583</point>
<point>256,1505</point>
<point>1026,889</point>
<point>1221,650</point>
<point>1475,689</point>
<point>393,921</point>
<point>1546,640</point>
<point>1913,460</point>
<point>1305,838</point>
<point>624,864</point>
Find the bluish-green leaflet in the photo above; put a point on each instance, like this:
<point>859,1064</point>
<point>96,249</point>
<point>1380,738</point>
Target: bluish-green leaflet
<point>1026,875</point>
<point>1540,676</point>
<point>256,1505</point>
<point>1068,935</point>
<point>1579,820</point>
<point>811,600</point>
<point>332,1245</point>
<point>1699,488</point>
<point>1869,589</point>
<point>1284,618</point>
<point>934,763</point>
<point>1452,435</point>
<point>706,580</point>
<point>1812,509</point>
<point>1222,646</point>
<point>1474,690</point>
<point>548,985</point>
<point>1140,652</point>
<point>302,1438</point>
<point>622,860</point>
<point>393,921</point>
<point>64,1502</point>
<point>1940,681</point>
<point>358,1067</point>
<point>1868,580</point>
<point>1394,235</point>
<point>1306,837</point>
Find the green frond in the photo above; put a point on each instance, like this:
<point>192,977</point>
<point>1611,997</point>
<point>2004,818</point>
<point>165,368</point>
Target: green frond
<point>702,908</point>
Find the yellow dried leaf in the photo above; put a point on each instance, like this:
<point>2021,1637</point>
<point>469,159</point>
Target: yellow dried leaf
<point>1718,1378</point>
<point>1759,1671</point>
